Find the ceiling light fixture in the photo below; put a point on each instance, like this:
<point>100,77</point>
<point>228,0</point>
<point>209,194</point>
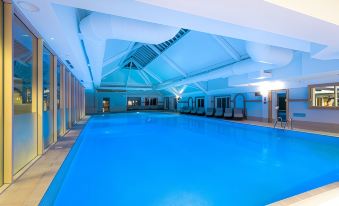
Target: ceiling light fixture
<point>52,38</point>
<point>28,6</point>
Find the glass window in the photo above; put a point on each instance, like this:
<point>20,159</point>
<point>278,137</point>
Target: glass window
<point>223,102</point>
<point>337,94</point>
<point>323,96</point>
<point>24,97</point>
<point>146,101</point>
<point>134,101</point>
<point>47,118</point>
<point>67,98</point>
<point>200,102</point>
<point>154,101</point>
<point>58,99</point>
<point>58,83</point>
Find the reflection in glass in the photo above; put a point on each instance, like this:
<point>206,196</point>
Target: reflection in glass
<point>58,99</point>
<point>323,96</point>
<point>47,111</point>
<point>25,116</point>
<point>66,97</point>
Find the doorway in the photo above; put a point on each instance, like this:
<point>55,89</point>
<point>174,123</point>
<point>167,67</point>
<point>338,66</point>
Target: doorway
<point>105,104</point>
<point>166,103</point>
<point>278,107</point>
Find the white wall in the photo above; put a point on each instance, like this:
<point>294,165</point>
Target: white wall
<point>311,115</point>
<point>118,100</point>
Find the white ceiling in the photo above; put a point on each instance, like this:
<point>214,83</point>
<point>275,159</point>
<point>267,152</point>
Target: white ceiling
<point>237,21</point>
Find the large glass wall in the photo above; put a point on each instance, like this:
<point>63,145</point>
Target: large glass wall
<point>72,99</point>
<point>47,118</point>
<point>67,98</point>
<point>58,98</point>
<point>28,79</point>
<point>24,93</point>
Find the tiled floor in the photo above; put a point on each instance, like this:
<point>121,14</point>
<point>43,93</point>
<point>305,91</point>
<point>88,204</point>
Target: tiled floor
<point>28,189</point>
<point>325,196</point>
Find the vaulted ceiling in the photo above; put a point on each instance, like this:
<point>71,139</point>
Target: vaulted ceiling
<point>202,37</point>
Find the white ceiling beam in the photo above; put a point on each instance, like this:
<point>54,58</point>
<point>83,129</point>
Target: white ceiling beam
<point>153,75</point>
<point>110,72</point>
<point>168,60</point>
<point>174,66</point>
<point>129,73</point>
<point>129,49</point>
<point>227,47</point>
<point>130,87</point>
<point>144,77</point>
<point>197,84</point>
<point>173,91</point>
<point>121,54</point>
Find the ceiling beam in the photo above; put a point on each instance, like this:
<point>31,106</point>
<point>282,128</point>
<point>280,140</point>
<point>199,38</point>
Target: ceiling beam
<point>227,47</point>
<point>168,60</point>
<point>129,73</point>
<point>173,91</point>
<point>198,84</point>
<point>121,54</point>
<point>153,75</point>
<point>110,72</point>
<point>144,77</point>
<point>174,66</point>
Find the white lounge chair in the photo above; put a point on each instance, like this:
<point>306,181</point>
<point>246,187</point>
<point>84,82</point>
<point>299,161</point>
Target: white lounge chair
<point>201,111</point>
<point>193,110</point>
<point>238,113</point>
<point>209,112</point>
<point>219,112</point>
<point>228,113</point>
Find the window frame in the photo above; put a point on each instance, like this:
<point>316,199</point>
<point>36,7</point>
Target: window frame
<point>336,96</point>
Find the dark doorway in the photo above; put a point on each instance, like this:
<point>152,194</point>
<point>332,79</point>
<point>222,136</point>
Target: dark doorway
<point>105,104</point>
<point>281,97</point>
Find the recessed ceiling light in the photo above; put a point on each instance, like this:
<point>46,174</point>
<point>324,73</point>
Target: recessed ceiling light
<point>28,6</point>
<point>52,38</point>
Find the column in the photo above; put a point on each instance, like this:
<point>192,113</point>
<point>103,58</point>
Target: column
<point>39,97</point>
<point>8,93</point>
<point>54,98</point>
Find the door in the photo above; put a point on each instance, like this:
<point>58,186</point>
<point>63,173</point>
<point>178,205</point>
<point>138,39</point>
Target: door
<point>279,105</point>
<point>105,104</point>
<point>166,103</point>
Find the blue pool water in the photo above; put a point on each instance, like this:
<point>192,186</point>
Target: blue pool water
<point>154,159</point>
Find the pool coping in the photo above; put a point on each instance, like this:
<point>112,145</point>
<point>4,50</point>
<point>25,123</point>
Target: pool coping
<point>29,187</point>
<point>306,198</point>
<point>264,124</point>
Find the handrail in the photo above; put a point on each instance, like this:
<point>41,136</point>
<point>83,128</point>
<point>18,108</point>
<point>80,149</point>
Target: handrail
<point>288,122</point>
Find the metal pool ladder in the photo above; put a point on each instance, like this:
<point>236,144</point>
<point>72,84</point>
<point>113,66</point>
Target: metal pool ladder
<point>284,124</point>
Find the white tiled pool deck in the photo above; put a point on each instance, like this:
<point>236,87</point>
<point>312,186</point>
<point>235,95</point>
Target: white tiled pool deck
<point>29,188</point>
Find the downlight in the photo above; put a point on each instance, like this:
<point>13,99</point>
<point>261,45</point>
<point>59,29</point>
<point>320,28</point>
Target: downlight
<point>28,6</point>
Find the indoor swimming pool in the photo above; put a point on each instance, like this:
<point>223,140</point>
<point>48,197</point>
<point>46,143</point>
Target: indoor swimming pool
<point>159,159</point>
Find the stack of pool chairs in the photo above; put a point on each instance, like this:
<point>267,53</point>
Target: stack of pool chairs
<point>185,110</point>
<point>228,113</point>
<point>194,111</point>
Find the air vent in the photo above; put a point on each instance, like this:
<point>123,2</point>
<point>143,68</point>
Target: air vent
<point>69,64</point>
